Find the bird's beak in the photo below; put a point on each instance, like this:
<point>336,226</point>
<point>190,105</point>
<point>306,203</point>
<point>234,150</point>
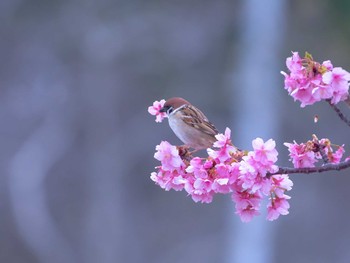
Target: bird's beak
<point>164,109</point>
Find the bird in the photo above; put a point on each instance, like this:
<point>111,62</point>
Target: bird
<point>189,124</point>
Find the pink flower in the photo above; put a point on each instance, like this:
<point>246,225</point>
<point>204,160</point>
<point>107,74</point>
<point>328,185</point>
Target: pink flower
<point>226,148</point>
<point>200,190</point>
<point>247,205</point>
<point>208,164</point>
<point>328,65</point>
<point>262,159</point>
<point>221,185</point>
<point>337,155</point>
<point>294,63</point>
<point>276,207</point>
<point>261,184</point>
<point>223,139</point>
<point>304,95</point>
<point>225,178</point>
<point>300,155</point>
<point>246,167</point>
<point>155,110</point>
<point>265,153</point>
<point>247,174</point>
<point>169,180</point>
<point>322,92</point>
<point>299,83</point>
<point>338,79</point>
<point>280,183</point>
<point>253,181</point>
<point>247,214</point>
<point>213,154</point>
<point>196,167</point>
<point>255,165</point>
<point>168,155</point>
<point>310,81</point>
<point>278,204</point>
<point>230,171</point>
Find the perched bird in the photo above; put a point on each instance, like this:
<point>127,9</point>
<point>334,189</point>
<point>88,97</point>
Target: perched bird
<point>189,124</point>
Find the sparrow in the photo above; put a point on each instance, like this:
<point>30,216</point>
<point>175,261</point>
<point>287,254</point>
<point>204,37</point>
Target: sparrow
<point>189,124</point>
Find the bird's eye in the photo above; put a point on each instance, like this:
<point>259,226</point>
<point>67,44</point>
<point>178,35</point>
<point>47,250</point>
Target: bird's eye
<point>170,110</point>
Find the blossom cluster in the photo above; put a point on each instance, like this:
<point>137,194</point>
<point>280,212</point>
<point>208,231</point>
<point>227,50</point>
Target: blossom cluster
<point>310,81</point>
<point>226,170</point>
<point>307,154</point>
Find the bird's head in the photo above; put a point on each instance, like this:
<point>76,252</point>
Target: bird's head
<point>172,104</point>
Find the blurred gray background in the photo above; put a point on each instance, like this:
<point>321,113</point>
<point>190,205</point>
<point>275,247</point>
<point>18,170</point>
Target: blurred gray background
<point>77,143</point>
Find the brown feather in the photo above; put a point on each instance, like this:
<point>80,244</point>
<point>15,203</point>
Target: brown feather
<point>197,120</point>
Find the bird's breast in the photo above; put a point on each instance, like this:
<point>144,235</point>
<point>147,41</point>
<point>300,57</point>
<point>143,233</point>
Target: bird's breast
<point>189,135</point>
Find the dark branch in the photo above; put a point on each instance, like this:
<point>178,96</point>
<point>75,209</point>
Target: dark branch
<point>324,168</point>
<point>324,155</point>
<point>338,111</point>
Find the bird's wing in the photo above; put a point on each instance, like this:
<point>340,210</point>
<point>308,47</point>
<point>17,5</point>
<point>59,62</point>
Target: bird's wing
<point>195,118</point>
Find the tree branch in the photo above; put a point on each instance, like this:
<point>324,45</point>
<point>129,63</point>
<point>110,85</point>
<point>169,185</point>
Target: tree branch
<point>323,155</point>
<point>309,170</point>
<point>338,111</point>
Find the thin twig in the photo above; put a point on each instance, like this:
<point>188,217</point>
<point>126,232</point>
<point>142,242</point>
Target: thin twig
<point>309,170</point>
<point>338,111</point>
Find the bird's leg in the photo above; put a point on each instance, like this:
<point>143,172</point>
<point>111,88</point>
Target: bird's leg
<point>192,152</point>
<point>184,152</point>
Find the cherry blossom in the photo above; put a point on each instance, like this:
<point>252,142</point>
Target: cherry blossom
<point>225,147</point>
<point>305,155</point>
<point>225,171</point>
<point>338,79</point>
<point>300,155</point>
<point>309,81</point>
<point>277,206</point>
<point>155,110</point>
<point>337,155</point>
<point>168,155</point>
<point>247,205</point>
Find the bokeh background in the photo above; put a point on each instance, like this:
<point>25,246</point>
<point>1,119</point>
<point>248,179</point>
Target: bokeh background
<point>77,143</point>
